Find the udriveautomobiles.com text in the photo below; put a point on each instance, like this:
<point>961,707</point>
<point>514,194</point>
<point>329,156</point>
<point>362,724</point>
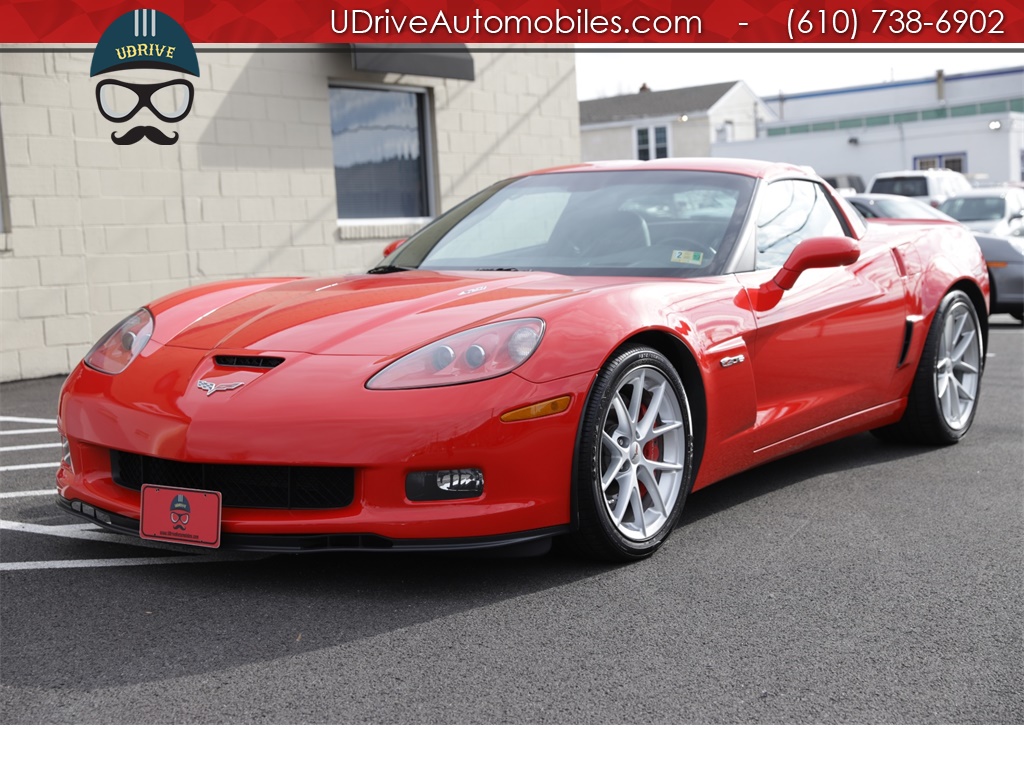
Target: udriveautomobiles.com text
<point>361,22</point>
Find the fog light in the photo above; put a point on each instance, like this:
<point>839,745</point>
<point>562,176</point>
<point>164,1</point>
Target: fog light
<point>65,450</point>
<point>443,484</point>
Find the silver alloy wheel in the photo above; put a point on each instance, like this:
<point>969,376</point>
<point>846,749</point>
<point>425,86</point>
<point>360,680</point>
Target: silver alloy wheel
<point>958,366</point>
<point>643,448</point>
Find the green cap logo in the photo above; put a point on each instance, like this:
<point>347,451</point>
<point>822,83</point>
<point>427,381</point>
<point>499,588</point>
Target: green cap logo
<point>144,39</point>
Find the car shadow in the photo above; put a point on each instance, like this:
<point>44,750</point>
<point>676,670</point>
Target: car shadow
<point>122,626</point>
<point>133,625</point>
<point>861,450</point>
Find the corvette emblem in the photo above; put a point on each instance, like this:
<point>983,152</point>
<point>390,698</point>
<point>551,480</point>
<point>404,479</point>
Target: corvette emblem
<point>209,387</point>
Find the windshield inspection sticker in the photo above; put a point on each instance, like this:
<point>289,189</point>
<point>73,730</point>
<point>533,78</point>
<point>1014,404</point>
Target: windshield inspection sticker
<point>690,258</point>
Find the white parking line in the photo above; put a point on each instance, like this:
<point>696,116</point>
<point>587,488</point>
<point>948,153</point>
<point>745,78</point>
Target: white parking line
<point>15,467</point>
<point>29,447</point>
<point>81,531</point>
<point>41,565</point>
<point>23,494</point>
<point>22,420</point>
<point>27,431</point>
<point>65,531</point>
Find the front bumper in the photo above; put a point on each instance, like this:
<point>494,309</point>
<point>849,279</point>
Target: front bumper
<point>524,542</point>
<point>317,418</point>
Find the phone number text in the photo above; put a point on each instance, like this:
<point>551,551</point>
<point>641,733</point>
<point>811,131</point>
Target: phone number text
<point>846,23</point>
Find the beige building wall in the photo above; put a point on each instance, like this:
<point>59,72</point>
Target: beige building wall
<point>97,230</point>
<point>608,143</point>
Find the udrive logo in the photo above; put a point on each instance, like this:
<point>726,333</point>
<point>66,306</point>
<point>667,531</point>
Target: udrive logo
<point>138,41</point>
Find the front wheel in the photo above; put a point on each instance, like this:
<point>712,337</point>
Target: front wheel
<point>635,459</point>
<point>944,396</point>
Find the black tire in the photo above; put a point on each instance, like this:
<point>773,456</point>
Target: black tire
<point>625,450</point>
<point>944,396</point>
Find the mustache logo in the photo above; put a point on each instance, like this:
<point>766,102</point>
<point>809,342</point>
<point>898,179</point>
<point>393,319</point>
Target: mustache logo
<point>179,527</point>
<point>140,132</point>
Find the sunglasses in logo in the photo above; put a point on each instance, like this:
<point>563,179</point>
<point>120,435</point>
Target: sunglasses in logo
<point>119,101</point>
<point>182,518</point>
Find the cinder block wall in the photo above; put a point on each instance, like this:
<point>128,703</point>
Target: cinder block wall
<point>97,230</point>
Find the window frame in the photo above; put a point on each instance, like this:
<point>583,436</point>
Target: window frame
<point>940,161</point>
<point>651,130</point>
<point>405,224</point>
<point>5,205</point>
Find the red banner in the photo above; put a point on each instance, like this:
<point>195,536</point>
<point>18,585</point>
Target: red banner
<point>854,22</point>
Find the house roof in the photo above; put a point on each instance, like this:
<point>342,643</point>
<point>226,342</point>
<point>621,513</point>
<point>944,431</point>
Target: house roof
<point>699,98</point>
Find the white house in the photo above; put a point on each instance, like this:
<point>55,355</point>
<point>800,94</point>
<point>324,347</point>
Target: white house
<point>683,122</point>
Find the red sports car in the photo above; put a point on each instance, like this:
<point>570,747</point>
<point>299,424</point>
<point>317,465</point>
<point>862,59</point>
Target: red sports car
<point>568,353</point>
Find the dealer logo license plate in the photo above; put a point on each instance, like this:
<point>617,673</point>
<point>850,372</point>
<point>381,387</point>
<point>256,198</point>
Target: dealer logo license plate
<point>180,515</point>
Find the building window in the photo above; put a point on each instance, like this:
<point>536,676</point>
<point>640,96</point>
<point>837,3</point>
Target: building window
<point>381,144</point>
<point>651,142</point>
<point>957,162</point>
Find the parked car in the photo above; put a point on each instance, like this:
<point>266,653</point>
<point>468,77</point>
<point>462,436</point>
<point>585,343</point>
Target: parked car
<point>1004,256</point>
<point>932,186</point>
<point>845,182</point>
<point>992,210</point>
<point>1005,259</point>
<point>894,207</point>
<point>540,361</point>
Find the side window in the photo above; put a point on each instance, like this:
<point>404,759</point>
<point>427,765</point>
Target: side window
<point>790,211</point>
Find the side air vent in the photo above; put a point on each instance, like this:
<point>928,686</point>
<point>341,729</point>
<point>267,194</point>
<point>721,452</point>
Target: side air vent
<point>247,361</point>
<point>908,334</point>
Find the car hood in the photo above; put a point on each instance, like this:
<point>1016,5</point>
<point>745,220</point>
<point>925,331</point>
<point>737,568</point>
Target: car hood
<point>370,314</point>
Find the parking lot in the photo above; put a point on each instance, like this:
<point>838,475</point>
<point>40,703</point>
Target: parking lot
<point>855,583</point>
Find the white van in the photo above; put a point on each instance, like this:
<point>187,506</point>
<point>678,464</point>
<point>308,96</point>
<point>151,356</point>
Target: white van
<point>932,186</point>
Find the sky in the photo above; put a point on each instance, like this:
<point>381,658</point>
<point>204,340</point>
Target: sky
<point>603,74</point>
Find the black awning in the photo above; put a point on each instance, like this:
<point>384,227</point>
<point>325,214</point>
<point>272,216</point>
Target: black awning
<point>452,61</point>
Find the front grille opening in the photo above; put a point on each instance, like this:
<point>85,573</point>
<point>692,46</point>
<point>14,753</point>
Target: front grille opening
<point>254,486</point>
<point>247,361</point>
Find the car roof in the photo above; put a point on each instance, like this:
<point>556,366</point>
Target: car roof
<point>743,167</point>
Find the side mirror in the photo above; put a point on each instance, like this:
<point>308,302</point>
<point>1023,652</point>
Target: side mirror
<point>393,246</point>
<point>816,253</point>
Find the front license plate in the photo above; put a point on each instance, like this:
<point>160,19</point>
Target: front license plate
<point>180,515</point>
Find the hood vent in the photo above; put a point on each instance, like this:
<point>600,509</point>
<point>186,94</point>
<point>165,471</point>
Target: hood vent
<point>247,361</point>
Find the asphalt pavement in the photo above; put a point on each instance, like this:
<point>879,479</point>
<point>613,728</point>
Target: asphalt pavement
<point>854,583</point>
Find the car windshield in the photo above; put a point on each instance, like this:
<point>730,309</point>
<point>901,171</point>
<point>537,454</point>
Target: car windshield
<point>975,208</point>
<point>656,223</point>
<point>908,186</point>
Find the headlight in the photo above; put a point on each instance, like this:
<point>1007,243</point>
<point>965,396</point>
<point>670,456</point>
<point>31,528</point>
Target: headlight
<point>480,353</point>
<point>121,344</point>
